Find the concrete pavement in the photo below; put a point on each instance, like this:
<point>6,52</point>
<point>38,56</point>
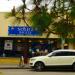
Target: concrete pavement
<point>13,66</point>
<point>11,63</point>
<point>30,72</point>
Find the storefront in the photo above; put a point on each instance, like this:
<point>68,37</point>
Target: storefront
<point>20,40</point>
<point>18,46</point>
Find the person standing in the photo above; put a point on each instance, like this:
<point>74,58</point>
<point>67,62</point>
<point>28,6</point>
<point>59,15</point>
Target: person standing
<point>21,63</point>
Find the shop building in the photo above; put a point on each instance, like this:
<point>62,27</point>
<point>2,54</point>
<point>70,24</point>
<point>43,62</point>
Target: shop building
<point>15,43</point>
<point>15,47</point>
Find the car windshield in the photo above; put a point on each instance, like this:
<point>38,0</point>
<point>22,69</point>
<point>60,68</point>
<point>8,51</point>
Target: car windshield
<point>50,54</point>
<point>61,53</point>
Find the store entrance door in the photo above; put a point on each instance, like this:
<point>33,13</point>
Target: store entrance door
<point>22,49</point>
<point>25,52</point>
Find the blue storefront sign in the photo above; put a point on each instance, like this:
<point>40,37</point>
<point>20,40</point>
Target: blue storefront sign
<point>22,30</point>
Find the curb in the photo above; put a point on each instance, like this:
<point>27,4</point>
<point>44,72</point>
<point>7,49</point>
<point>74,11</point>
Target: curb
<point>14,67</point>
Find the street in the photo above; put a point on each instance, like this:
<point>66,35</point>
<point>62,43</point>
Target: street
<point>30,72</point>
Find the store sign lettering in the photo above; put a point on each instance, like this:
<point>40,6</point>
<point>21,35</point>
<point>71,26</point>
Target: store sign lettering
<point>22,30</point>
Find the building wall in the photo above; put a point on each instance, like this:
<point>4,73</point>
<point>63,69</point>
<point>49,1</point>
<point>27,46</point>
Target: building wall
<point>4,23</point>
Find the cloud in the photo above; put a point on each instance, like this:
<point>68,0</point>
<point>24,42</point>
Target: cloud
<point>6,5</point>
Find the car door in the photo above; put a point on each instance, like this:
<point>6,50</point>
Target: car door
<point>60,58</point>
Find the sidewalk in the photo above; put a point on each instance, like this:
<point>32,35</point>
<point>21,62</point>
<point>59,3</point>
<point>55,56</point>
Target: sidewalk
<point>13,66</point>
<point>12,63</point>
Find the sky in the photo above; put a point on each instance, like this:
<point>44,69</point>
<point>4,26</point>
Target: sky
<point>6,5</point>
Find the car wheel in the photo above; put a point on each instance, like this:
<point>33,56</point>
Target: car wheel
<point>74,66</point>
<point>39,66</point>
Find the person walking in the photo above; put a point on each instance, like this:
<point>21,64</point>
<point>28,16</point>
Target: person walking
<point>21,63</point>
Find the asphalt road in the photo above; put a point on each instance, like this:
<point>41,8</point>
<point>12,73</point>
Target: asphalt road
<point>30,72</point>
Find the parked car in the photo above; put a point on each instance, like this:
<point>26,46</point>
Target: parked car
<point>57,58</point>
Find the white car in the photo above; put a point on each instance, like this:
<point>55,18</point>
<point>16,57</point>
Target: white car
<point>62,57</point>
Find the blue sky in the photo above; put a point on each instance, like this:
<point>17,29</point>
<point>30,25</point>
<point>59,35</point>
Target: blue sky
<point>6,5</point>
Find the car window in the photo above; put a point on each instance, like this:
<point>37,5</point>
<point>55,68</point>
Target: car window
<point>57,54</point>
<point>72,53</point>
<point>64,54</point>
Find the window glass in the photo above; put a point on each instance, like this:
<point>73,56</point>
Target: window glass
<point>57,54</point>
<point>64,54</point>
<point>72,53</point>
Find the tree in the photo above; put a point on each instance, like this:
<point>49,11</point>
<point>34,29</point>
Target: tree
<point>41,20</point>
<point>60,19</point>
<point>40,17</point>
<point>19,14</point>
<point>62,16</point>
<point>63,11</point>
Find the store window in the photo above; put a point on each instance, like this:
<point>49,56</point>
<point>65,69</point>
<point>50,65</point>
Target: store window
<point>8,48</point>
<point>38,48</point>
<point>8,45</point>
<point>19,47</point>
